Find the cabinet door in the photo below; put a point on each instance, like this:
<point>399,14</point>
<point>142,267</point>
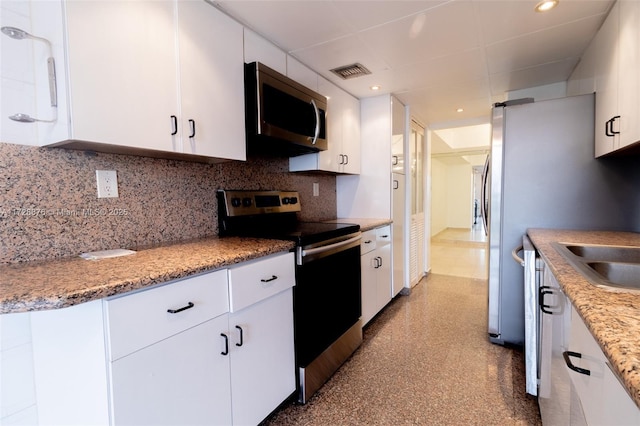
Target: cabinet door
<point>258,49</point>
<point>554,394</point>
<point>399,227</point>
<point>331,159</point>
<point>120,56</point>
<point>181,380</point>
<point>351,134</point>
<point>211,82</point>
<point>398,124</point>
<point>384,289</point>
<point>629,85</point>
<point>589,387</point>
<point>262,357</point>
<point>369,287</point>
<point>606,77</point>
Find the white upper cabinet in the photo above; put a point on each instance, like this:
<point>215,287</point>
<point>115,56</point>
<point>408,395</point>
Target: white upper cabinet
<point>121,79</point>
<point>158,78</point>
<point>259,49</point>
<point>343,135</point>
<point>616,49</point>
<point>211,82</point>
<point>300,73</point>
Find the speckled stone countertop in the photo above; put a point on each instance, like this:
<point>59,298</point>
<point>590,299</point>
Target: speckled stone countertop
<point>365,224</point>
<point>613,317</point>
<point>34,286</point>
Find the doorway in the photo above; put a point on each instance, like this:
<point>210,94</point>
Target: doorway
<point>458,241</point>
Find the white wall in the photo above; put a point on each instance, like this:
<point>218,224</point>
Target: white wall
<point>438,196</point>
<point>459,196</point>
<point>451,196</point>
<point>541,93</point>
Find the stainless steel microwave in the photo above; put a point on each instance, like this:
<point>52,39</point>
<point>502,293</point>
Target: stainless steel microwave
<point>283,117</point>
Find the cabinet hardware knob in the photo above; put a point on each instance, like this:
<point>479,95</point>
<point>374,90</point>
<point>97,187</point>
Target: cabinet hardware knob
<point>567,360</point>
<point>241,336</point>
<point>267,280</point>
<point>184,308</point>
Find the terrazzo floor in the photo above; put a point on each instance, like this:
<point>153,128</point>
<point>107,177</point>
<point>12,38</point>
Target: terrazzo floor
<point>425,360</point>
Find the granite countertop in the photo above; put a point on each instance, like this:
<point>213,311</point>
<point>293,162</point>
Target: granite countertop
<point>613,317</point>
<point>54,284</point>
<point>365,224</point>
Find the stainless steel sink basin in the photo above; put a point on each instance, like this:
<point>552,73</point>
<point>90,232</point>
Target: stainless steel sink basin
<point>616,267</point>
<point>620,274</point>
<point>606,253</point>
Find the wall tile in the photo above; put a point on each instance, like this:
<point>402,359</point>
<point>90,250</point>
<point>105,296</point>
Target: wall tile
<point>49,206</point>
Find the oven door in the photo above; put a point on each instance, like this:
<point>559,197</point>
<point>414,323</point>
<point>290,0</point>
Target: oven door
<point>327,297</point>
<point>327,309</point>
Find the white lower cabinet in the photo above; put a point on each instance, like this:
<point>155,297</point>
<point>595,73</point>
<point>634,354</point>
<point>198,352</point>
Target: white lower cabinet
<point>262,357</point>
<point>577,385</point>
<point>182,380</point>
<point>376,271</point>
<point>182,353</point>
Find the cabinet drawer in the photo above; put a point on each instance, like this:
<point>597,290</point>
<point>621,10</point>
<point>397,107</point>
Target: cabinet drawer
<point>368,242</point>
<point>255,281</point>
<point>140,319</point>
<point>383,235</point>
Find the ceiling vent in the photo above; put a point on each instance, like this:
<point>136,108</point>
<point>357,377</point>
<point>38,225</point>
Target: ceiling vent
<point>350,71</point>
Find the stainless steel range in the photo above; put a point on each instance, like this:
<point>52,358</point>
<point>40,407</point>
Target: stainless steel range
<point>326,298</point>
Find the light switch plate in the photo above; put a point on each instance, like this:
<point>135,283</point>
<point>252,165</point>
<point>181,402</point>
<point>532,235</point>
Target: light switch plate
<point>107,183</point>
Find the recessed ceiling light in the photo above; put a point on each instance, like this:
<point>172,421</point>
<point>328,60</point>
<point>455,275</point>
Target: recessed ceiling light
<point>546,5</point>
<point>459,110</point>
<point>375,87</point>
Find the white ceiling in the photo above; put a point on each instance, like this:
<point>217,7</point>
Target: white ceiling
<point>435,56</point>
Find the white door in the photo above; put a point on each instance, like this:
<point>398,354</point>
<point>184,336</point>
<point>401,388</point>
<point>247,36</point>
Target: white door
<point>121,55</point>
<point>262,357</point>
<point>211,82</point>
<point>182,380</point>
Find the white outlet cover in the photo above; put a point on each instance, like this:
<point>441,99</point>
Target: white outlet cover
<point>107,181</point>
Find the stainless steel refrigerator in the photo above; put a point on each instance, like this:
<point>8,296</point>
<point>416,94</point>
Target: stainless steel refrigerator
<point>542,174</point>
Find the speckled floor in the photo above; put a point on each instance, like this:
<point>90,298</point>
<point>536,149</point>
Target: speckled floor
<point>425,360</point>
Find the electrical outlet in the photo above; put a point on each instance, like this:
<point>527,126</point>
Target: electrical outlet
<point>316,189</point>
<point>107,183</point>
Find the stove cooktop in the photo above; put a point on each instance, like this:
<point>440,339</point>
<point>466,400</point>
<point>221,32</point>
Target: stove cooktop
<point>272,214</point>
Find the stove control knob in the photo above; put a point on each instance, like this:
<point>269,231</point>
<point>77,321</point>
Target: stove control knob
<point>247,202</point>
<point>235,202</point>
<point>285,200</point>
<point>293,200</point>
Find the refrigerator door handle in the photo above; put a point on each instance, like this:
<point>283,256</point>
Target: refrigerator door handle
<point>483,196</point>
<point>514,254</point>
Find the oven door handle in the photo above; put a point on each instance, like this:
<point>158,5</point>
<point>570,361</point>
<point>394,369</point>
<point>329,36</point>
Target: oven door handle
<point>308,252</point>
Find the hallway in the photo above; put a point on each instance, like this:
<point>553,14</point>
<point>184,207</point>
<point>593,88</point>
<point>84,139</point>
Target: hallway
<point>426,360</point>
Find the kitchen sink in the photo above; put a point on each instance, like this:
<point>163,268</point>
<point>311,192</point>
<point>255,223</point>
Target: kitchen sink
<point>606,253</point>
<point>606,266</point>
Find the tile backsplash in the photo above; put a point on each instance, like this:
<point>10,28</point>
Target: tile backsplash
<point>49,206</point>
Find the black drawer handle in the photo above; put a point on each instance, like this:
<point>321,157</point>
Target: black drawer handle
<point>192,123</point>
<point>241,336</point>
<point>368,242</point>
<point>226,344</point>
<point>384,236</point>
<point>567,360</point>
<point>174,125</point>
<point>184,308</point>
<point>267,280</point>
<point>543,291</point>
